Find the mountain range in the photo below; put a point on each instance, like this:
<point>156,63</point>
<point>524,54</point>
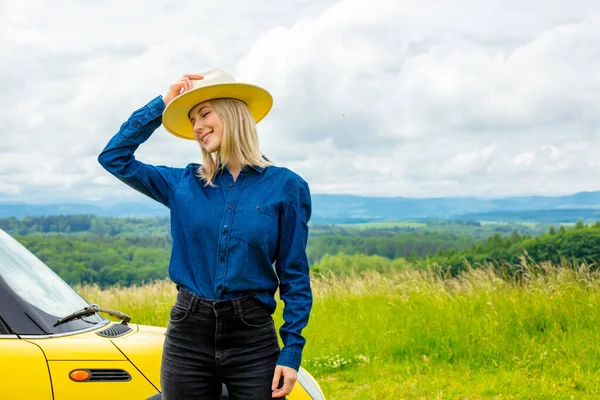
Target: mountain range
<point>331,208</point>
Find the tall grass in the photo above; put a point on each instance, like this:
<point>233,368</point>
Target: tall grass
<point>414,334</point>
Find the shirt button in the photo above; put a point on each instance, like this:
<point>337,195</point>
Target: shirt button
<point>222,259</point>
<point>229,206</point>
<point>224,231</point>
<point>231,185</point>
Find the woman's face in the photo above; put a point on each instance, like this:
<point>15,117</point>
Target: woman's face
<point>208,128</point>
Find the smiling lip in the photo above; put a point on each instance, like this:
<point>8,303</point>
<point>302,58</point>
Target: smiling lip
<point>205,137</point>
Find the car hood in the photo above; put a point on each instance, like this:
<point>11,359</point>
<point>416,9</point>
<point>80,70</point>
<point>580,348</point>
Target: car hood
<point>144,350</point>
<point>79,347</point>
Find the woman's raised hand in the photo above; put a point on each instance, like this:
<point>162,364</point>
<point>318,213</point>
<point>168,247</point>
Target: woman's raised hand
<point>181,86</point>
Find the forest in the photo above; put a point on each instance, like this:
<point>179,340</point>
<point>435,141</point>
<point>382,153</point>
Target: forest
<point>130,251</point>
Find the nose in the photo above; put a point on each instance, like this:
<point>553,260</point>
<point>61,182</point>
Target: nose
<point>198,127</point>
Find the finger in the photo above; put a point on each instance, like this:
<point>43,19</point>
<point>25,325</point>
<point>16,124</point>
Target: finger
<point>276,378</point>
<point>189,84</point>
<point>184,86</point>
<point>179,87</point>
<point>175,88</point>
<point>284,391</point>
<point>193,76</point>
<point>288,384</point>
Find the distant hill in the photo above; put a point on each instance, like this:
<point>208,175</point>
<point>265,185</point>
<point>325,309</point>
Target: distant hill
<point>538,216</point>
<point>353,209</point>
<point>140,209</point>
<point>342,208</point>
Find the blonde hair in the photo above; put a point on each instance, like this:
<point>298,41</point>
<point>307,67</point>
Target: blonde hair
<point>239,143</point>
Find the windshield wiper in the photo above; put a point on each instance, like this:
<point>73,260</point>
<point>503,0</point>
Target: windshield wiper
<point>91,310</point>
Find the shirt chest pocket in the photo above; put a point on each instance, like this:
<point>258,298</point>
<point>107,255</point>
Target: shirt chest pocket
<point>257,225</point>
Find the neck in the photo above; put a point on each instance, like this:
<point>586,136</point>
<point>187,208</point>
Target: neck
<point>234,168</point>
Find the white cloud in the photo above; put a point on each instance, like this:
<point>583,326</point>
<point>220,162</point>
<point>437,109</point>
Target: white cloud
<point>473,162</point>
<point>524,159</point>
<point>386,97</point>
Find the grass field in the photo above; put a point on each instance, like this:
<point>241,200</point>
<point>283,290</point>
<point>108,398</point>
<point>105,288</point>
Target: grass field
<point>414,335</point>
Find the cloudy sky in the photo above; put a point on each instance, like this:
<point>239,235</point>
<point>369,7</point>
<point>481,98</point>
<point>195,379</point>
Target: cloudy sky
<point>428,98</point>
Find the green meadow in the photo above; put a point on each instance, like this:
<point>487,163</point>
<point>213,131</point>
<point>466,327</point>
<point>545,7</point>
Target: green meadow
<point>418,334</point>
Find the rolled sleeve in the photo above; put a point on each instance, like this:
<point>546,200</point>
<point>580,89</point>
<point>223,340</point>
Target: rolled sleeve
<point>293,271</point>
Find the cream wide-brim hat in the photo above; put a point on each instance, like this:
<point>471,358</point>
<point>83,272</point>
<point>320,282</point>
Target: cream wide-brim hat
<point>217,84</point>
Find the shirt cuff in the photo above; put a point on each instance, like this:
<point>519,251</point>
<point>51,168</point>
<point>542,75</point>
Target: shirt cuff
<point>156,107</point>
<point>290,358</point>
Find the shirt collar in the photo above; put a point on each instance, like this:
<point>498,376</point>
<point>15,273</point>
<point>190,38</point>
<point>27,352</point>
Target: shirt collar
<point>258,169</point>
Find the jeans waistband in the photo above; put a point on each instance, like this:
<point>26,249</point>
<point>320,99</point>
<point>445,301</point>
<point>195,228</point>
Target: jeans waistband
<point>234,307</point>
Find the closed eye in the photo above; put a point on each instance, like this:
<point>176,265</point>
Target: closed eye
<point>204,115</point>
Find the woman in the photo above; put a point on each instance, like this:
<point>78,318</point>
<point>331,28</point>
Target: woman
<point>232,219</point>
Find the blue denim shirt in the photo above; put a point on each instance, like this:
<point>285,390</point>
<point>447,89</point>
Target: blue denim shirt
<point>226,239</point>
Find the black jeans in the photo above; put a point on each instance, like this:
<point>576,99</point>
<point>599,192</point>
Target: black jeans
<point>209,343</point>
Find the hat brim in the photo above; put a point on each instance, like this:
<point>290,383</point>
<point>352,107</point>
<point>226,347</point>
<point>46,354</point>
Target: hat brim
<point>175,116</point>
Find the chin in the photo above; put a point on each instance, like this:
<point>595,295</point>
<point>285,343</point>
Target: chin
<point>210,148</point>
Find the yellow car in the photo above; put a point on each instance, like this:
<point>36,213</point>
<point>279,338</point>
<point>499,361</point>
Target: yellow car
<point>56,346</point>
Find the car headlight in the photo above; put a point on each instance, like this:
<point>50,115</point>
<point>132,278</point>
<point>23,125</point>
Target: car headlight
<point>310,385</point>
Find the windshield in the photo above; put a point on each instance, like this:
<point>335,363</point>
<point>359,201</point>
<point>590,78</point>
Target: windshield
<point>35,283</point>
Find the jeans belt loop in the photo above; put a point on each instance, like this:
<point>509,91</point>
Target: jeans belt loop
<point>237,308</point>
<point>193,306</point>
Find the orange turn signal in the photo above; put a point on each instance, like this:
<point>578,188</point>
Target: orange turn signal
<point>80,375</point>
